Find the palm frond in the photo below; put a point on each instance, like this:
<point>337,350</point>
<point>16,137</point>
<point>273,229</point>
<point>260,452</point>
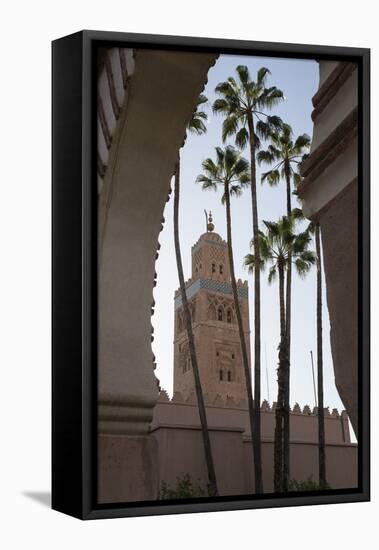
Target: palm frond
<point>264,246</point>
<point>202,100</point>
<point>243,74</point>
<point>225,89</point>
<point>232,161</point>
<point>245,179</point>
<point>270,98</point>
<point>272,274</point>
<point>304,263</point>
<point>302,268</point>
<point>301,242</point>
<point>229,127</point>
<point>297,214</point>
<point>262,76</point>
<point>201,114</point>
<point>265,157</point>
<point>275,123</point>
<point>233,83</point>
<point>286,132</point>
<point>309,256</point>
<point>272,227</point>
<point>288,222</point>
<point>311,228</point>
<point>257,142</point>
<point>196,125</point>
<point>263,129</point>
<point>206,182</point>
<point>220,154</point>
<point>210,168</point>
<point>221,106</point>
<point>249,262</point>
<point>241,166</point>
<point>235,191</point>
<point>276,152</point>
<point>242,138</point>
<point>272,177</point>
<point>301,143</point>
<point>296,179</point>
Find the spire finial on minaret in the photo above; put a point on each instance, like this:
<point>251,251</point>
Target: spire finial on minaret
<point>210,225</point>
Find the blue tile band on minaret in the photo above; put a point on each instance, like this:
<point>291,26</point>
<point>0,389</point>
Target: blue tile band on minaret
<point>213,286</point>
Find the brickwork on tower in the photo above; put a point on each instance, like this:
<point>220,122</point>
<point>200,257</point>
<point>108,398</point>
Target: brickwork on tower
<point>209,292</point>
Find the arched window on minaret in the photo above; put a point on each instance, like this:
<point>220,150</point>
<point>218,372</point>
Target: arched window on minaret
<point>213,268</point>
<point>192,308</point>
<point>220,314</point>
<point>229,315</point>
<point>221,375</point>
<point>212,312</point>
<point>229,376</point>
<point>179,319</point>
<point>187,363</point>
<point>221,269</point>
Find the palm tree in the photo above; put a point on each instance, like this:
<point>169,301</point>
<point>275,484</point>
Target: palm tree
<point>320,376</point>
<point>231,173</point>
<point>244,103</point>
<point>196,125</point>
<point>284,155</point>
<point>277,245</point>
<point>314,229</point>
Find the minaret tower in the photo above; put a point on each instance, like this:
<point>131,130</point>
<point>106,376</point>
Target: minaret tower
<point>209,292</point>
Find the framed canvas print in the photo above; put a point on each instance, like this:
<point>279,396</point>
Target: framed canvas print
<point>210,275</point>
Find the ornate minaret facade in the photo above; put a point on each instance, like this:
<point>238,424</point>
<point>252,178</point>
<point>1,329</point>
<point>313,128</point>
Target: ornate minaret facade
<point>209,292</point>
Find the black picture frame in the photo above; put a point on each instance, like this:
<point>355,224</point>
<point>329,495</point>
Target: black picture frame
<point>74,273</point>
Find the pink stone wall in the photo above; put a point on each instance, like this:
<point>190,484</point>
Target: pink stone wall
<point>176,429</point>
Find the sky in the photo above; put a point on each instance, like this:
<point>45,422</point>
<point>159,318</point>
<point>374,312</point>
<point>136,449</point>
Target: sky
<point>298,79</point>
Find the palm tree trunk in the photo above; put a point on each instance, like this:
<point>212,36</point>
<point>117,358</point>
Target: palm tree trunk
<point>245,360</point>
<point>257,317</point>
<point>320,381</point>
<point>191,343</point>
<point>286,412</point>
<point>283,363</point>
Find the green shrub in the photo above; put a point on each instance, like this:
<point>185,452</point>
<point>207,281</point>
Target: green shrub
<point>184,488</point>
<point>308,485</point>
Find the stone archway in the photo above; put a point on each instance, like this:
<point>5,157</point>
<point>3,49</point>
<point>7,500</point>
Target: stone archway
<point>142,144</point>
<point>329,192</point>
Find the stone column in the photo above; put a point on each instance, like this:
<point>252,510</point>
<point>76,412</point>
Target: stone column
<point>161,99</point>
<point>329,192</point>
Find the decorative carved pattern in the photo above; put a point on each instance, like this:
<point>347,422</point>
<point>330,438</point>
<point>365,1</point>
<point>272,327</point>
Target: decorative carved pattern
<point>197,257</point>
<point>221,309</point>
<point>217,254</point>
